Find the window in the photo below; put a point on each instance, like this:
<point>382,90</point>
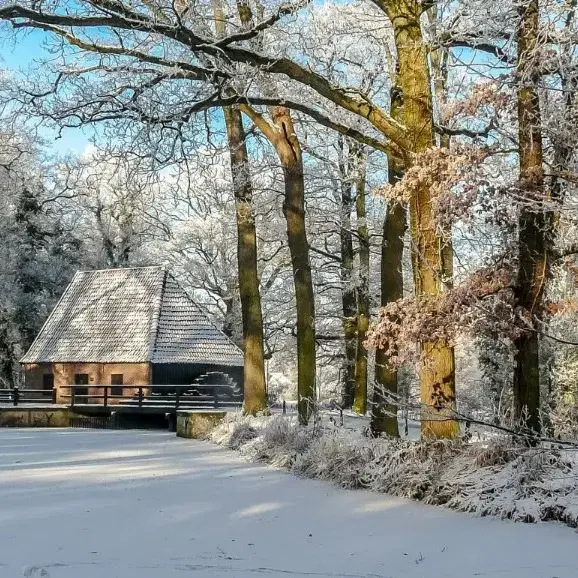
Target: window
<point>116,379</point>
<point>48,381</point>
<point>81,379</point>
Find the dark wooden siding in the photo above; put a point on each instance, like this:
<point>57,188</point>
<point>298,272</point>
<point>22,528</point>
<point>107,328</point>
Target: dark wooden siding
<point>186,373</point>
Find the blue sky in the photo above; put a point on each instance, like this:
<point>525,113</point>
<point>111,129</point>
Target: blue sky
<point>16,55</point>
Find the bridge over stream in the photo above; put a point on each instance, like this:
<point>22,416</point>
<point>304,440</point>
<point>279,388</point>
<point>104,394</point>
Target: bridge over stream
<point>145,399</point>
<point>106,407</point>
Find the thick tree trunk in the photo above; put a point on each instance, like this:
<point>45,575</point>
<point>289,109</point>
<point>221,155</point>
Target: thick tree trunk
<point>348,297</point>
<point>299,248</point>
<point>289,151</point>
<point>283,137</point>
<point>534,224</point>
<point>281,134</point>
<point>255,385</point>
<point>360,400</point>
<point>254,369</point>
<point>384,404</point>
<point>437,375</point>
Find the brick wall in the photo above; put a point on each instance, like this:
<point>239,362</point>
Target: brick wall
<point>98,374</point>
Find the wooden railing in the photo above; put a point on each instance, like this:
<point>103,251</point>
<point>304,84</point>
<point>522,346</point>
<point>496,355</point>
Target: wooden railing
<point>196,396</point>
<point>159,397</point>
<point>16,396</point>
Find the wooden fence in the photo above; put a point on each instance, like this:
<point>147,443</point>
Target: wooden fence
<point>132,398</point>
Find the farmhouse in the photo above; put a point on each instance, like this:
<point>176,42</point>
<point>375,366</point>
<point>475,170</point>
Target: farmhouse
<point>128,327</point>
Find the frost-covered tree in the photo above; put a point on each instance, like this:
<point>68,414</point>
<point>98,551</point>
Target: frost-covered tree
<point>113,200</point>
<point>39,250</point>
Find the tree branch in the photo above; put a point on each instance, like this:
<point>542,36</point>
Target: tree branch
<point>483,133</point>
<point>270,132</point>
<point>200,72</point>
<point>130,20</point>
<point>283,10</point>
<point>325,254</point>
<point>472,43</point>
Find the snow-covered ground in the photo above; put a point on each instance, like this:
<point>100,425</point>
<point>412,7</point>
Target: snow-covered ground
<point>112,504</point>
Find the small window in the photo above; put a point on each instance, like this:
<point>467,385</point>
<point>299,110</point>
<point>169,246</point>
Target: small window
<point>48,381</point>
<point>81,393</point>
<point>81,379</point>
<point>116,379</point>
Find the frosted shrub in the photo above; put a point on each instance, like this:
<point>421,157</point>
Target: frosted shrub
<point>539,484</point>
<point>243,432</point>
<point>410,469</point>
<point>279,432</point>
<point>496,453</point>
<point>336,457</point>
<point>281,441</point>
<point>238,426</point>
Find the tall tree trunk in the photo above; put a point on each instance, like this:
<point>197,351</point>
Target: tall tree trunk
<point>255,385</point>
<point>7,354</point>
<point>281,134</point>
<point>348,293</point>
<point>437,375</point>
<point>360,401</point>
<point>254,368</point>
<point>289,151</point>
<point>534,223</point>
<point>384,404</point>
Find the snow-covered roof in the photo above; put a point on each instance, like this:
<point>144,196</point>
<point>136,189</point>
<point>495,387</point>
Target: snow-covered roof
<point>130,316</point>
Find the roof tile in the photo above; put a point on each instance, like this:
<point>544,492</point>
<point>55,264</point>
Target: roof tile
<point>130,315</point>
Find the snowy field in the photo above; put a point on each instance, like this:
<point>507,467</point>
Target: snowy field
<point>117,504</point>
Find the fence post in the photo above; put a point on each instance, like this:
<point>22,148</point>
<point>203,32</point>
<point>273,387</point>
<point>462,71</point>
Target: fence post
<point>284,408</point>
<point>54,395</point>
<point>16,395</point>
<point>72,390</point>
<point>177,399</point>
<point>140,397</point>
<point>106,397</point>
<point>216,398</point>
<point>172,422</point>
